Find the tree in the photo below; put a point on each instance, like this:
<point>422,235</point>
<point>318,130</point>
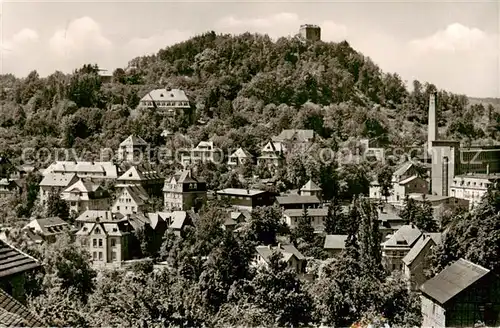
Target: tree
<point>56,207</point>
<point>336,223</point>
<point>424,217</point>
<point>304,230</point>
<point>265,224</point>
<point>385,181</point>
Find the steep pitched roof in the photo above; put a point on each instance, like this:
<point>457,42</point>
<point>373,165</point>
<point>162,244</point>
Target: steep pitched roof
<point>14,314</point>
<point>139,173</point>
<point>138,194</point>
<point>453,280</point>
<point>419,246</point>
<point>406,236</point>
<point>179,219</point>
<point>310,186</point>
<point>57,179</point>
<point>133,140</point>
<point>14,261</point>
<point>241,153</point>
<point>286,250</point>
<point>402,169</point>
<point>408,180</point>
<point>335,241</point>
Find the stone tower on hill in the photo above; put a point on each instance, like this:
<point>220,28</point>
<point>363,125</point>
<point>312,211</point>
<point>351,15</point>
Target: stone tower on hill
<point>310,32</point>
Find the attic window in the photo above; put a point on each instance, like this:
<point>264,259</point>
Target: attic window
<point>115,230</point>
<point>172,95</point>
<point>401,242</point>
<point>97,230</point>
<point>161,95</point>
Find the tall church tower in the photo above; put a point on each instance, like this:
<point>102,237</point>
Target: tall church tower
<point>432,133</point>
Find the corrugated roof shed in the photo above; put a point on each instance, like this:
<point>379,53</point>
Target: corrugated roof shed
<point>452,280</point>
<point>13,261</point>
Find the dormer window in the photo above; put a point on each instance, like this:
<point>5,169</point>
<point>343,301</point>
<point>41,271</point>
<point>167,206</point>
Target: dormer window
<point>161,95</point>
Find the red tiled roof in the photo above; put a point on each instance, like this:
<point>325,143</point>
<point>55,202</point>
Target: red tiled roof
<point>14,261</point>
<point>14,314</point>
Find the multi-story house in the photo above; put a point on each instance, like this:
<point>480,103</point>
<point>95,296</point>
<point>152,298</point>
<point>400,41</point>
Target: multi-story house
<point>296,140</point>
<point>398,245</point>
<point>464,294</point>
<point>133,149</point>
<point>86,195</point>
<point>272,154</point>
<point>240,157</point>
<point>291,256</point>
<point>97,170</point>
<point>130,200</point>
<point>472,187</point>
<point>246,199</point>
<point>204,152</point>
<point>417,260</point>
<point>169,102</point>
<point>55,182</point>
<point>405,180</point>
<point>183,191</point>
<point>143,176</point>
<point>9,188</point>
<point>317,217</point>
<point>107,240</point>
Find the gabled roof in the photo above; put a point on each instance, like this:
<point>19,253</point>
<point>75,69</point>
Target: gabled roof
<point>57,179</point>
<point>179,219</point>
<point>133,140</point>
<point>165,95</point>
<point>79,167</point>
<point>453,280</point>
<point>241,153</point>
<point>83,186</point>
<point>408,180</point>
<point>137,193</point>
<point>406,236</point>
<point>14,314</point>
<point>139,173</point>
<point>419,246</point>
<point>184,176</point>
<point>310,186</point>
<point>49,226</point>
<point>297,199</point>
<point>205,144</point>
<point>335,241</point>
<point>286,250</point>
<point>298,135</point>
<point>102,216</point>
<point>273,146</point>
<point>14,261</point>
<point>402,169</point>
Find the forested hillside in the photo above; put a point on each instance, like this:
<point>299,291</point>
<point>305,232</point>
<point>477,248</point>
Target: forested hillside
<point>247,87</point>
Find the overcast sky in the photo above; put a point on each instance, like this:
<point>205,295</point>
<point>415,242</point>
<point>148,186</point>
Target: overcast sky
<point>455,45</point>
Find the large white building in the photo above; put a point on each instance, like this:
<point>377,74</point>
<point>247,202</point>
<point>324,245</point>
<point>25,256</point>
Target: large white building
<point>168,101</point>
<point>83,169</point>
<point>472,187</point>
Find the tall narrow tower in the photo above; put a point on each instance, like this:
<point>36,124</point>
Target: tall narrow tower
<point>432,134</point>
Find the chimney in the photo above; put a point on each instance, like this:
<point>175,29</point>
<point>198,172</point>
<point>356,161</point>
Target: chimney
<point>106,214</point>
<point>248,191</point>
<point>432,133</point>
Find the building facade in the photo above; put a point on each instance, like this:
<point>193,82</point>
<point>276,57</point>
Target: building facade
<point>472,187</point>
<point>246,199</point>
<point>183,191</point>
<point>133,149</point>
<point>167,101</point>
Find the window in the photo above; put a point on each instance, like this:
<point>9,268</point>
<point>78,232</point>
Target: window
<point>94,255</point>
<point>113,256</point>
<point>94,242</point>
<point>100,242</point>
<point>97,231</point>
<point>100,256</point>
<point>113,242</point>
<point>118,208</point>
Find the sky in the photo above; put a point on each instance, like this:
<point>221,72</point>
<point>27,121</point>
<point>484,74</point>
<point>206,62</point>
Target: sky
<point>455,45</point>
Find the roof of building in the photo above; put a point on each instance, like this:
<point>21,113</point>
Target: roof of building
<point>430,198</point>
<point>49,226</point>
<point>295,135</point>
<point>102,216</point>
<point>184,176</point>
<point>406,236</point>
<point>287,250</point>
<point>297,199</point>
<point>408,180</point>
<point>133,140</point>
<point>402,169</point>
<point>241,153</point>
<point>419,246</point>
<point>179,219</point>
<point>452,280</point>
<point>108,168</point>
<point>137,193</point>
<point>139,173</point>
<point>57,179</point>
<point>204,145</point>
<point>335,241</point>
<point>477,176</point>
<point>273,146</point>
<point>14,314</point>
<point>14,261</point>
<point>165,95</point>
<point>310,186</point>
<point>240,192</point>
<point>310,212</point>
